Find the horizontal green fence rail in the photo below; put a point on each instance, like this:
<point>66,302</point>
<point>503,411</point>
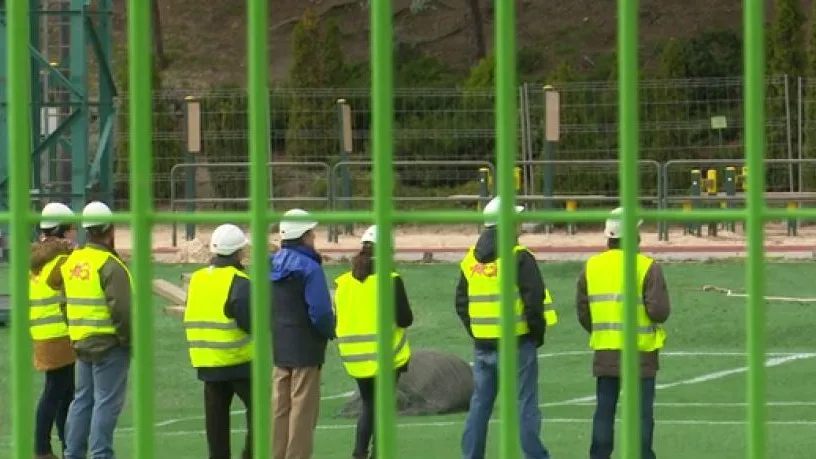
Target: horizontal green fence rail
<point>143,215</point>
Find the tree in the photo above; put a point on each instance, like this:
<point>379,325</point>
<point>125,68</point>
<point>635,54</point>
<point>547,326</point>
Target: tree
<point>810,92</point>
<point>787,42</point>
<point>158,39</point>
<point>317,62</point>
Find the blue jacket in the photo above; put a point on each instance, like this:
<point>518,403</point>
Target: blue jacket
<point>304,263</point>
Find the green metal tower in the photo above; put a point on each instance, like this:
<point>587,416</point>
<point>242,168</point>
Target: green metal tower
<point>72,102</point>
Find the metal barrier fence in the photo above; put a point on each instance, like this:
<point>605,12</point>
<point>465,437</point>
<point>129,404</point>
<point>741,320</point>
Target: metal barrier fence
<point>687,118</point>
<point>720,183</point>
<point>299,184</point>
<point>346,186</point>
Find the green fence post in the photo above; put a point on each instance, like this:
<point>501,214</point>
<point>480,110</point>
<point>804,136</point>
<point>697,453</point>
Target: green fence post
<point>628,141</point>
<point>19,178</point>
<point>140,70</point>
<point>192,118</point>
<point>382,143</point>
<point>259,184</point>
<point>754,129</point>
<point>694,191</point>
<point>506,148</point>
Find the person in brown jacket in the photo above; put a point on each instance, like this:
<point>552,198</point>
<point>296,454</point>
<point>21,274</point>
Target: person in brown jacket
<point>599,303</point>
<point>53,354</point>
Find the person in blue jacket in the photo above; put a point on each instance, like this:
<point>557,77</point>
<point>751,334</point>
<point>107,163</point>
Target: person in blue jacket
<point>303,322</point>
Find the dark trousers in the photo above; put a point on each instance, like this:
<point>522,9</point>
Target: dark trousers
<point>217,400</point>
<point>603,423</point>
<point>52,409</point>
<point>365,423</point>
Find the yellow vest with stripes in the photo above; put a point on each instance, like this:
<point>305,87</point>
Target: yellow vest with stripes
<point>483,294</point>
<point>214,339</point>
<point>357,315</point>
<point>604,276</point>
<point>87,307</point>
<point>46,319</point>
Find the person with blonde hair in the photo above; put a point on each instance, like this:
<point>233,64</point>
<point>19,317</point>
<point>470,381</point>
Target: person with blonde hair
<point>53,354</point>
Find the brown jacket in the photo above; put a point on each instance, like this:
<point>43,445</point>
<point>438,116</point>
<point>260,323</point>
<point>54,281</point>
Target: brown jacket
<point>53,353</point>
<point>116,285</point>
<point>656,298</point>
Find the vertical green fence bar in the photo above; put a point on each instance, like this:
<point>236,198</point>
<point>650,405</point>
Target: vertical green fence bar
<point>140,55</point>
<point>382,114</point>
<point>506,147</point>
<point>628,139</point>
<point>19,173</point>
<point>258,82</point>
<point>754,55</point>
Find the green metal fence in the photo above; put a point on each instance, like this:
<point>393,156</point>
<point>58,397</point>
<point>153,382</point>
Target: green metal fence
<point>142,215</point>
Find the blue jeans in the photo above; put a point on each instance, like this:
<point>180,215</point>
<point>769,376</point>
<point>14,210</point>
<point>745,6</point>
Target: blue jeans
<point>603,423</point>
<point>100,395</point>
<point>486,384</point>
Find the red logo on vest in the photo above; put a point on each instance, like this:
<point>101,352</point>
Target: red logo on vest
<point>81,271</point>
<point>484,269</point>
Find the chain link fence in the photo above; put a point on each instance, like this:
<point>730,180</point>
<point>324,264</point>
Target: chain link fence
<point>680,119</point>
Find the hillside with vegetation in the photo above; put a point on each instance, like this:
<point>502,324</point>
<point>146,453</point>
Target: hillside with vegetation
<point>691,57</point>
<point>204,43</point>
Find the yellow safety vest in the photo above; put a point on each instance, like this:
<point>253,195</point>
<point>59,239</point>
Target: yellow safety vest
<point>357,312</point>
<point>604,276</point>
<point>214,339</point>
<point>87,307</point>
<point>483,293</point>
<point>46,319</point>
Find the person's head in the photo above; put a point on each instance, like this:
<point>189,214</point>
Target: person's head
<point>52,224</point>
<point>99,231</point>
<point>613,229</point>
<point>297,232</point>
<point>492,208</point>
<point>228,241</point>
<point>362,265</point>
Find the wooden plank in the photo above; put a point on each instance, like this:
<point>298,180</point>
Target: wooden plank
<point>176,311</point>
<point>169,291</point>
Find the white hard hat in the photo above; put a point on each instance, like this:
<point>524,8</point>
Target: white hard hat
<point>370,235</point>
<point>290,230</point>
<point>614,227</point>
<point>96,209</point>
<point>227,239</point>
<point>492,207</point>
<point>54,211</point>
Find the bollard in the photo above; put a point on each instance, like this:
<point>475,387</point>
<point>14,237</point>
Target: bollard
<point>687,206</point>
<point>792,222</point>
<point>572,205</point>
<point>730,192</point>
<point>694,191</point>
<point>711,182</point>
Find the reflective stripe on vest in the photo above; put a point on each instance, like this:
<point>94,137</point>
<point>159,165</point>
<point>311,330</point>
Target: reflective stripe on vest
<point>483,297</point>
<point>46,320</point>
<point>357,312</point>
<point>213,339</point>
<point>604,276</point>
<point>88,310</point>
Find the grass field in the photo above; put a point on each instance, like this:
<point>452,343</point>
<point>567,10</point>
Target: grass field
<point>701,397</point>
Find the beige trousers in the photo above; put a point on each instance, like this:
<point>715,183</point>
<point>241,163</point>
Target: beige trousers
<point>296,405</point>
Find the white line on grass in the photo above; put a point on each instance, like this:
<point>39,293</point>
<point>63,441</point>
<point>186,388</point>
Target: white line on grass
<point>710,376</point>
<point>237,412</point>
<point>458,423</point>
<point>776,361</point>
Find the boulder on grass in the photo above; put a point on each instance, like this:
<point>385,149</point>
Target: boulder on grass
<point>435,383</point>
